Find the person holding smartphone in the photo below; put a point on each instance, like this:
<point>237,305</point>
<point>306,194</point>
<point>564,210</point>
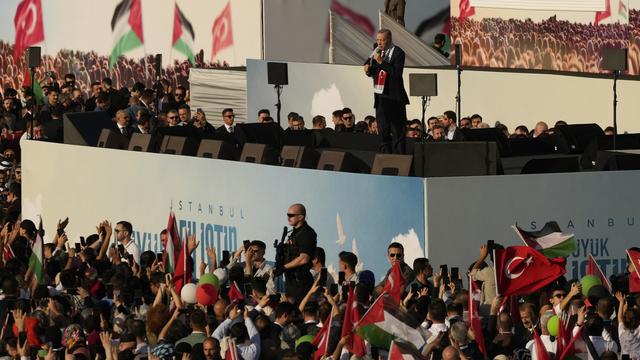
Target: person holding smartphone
<point>123,235</point>
<point>483,272</point>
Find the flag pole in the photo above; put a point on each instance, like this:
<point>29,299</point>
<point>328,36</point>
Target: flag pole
<point>495,273</point>
<point>515,228</point>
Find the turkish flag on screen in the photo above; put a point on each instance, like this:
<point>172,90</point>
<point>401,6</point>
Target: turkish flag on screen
<point>29,28</point>
<point>523,270</point>
<point>222,32</point>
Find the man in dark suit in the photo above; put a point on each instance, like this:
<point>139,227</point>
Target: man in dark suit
<point>385,67</point>
<point>228,117</point>
<point>452,133</point>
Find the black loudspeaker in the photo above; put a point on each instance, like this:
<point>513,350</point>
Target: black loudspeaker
<point>396,165</point>
<point>178,145</point>
<point>85,128</point>
<point>299,157</point>
<point>269,134</point>
<point>113,140</point>
<point>617,160</point>
<point>551,165</point>
<point>158,65</point>
<point>458,51</point>
<point>531,146</point>
<point>299,138</point>
<point>574,139</point>
<point>614,59</point>
<point>350,141</point>
<point>259,154</point>
<point>423,84</point>
<point>141,142</point>
<point>489,134</point>
<point>217,149</point>
<point>341,161</point>
<point>623,142</point>
<point>434,159</point>
<point>32,56</point>
<point>277,73</point>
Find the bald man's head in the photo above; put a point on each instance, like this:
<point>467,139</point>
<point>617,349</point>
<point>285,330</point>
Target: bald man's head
<point>450,353</point>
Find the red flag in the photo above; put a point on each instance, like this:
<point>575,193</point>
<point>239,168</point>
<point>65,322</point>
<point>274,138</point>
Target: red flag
<point>357,19</point>
<point>321,340</point>
<point>234,293</point>
<point>523,270</point>
<point>184,267</point>
<point>395,282</point>
<point>475,294</point>
<point>466,10</point>
<point>594,269</point>
<point>541,351</point>
<point>232,350</point>
<point>351,316</point>
<point>634,277</point>
<point>28,24</point>
<point>601,15</point>
<point>570,349</point>
<point>222,32</point>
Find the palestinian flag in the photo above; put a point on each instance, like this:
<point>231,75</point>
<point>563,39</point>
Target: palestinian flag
<point>126,25</point>
<point>38,95</point>
<point>549,240</point>
<point>173,239</point>
<point>386,321</point>
<point>36,259</point>
<point>183,35</point>
<point>401,350</point>
<point>622,11</point>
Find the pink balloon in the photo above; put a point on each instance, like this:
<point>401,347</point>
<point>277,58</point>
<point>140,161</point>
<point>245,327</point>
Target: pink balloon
<point>206,294</point>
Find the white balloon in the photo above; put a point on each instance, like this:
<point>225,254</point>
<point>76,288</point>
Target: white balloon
<point>221,274</point>
<point>188,293</point>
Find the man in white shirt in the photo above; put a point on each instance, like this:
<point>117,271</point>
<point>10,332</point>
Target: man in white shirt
<point>550,346</point>
<point>123,235</point>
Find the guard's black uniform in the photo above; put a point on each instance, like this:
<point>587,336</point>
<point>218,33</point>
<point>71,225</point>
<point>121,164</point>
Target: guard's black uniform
<point>298,281</point>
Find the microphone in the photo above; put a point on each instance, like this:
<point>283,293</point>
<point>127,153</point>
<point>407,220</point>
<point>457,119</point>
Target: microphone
<point>378,51</point>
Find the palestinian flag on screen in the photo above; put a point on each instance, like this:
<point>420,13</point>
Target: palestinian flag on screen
<point>126,25</point>
<point>386,321</point>
<point>183,35</point>
<point>549,240</point>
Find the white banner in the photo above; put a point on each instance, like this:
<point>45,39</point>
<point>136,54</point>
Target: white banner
<point>600,208</point>
<point>222,202</point>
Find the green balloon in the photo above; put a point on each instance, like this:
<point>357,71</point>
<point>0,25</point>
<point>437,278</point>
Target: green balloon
<point>552,325</point>
<point>209,279</point>
<point>587,282</point>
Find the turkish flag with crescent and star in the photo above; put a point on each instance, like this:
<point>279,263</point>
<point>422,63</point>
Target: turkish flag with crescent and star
<point>523,270</point>
<point>29,28</point>
<point>222,32</point>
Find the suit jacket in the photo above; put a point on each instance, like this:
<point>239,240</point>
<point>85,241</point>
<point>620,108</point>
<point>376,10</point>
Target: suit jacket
<point>223,130</point>
<point>394,84</point>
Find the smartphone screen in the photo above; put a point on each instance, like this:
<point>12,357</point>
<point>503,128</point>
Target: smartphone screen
<point>121,250</point>
<point>341,277</point>
<point>444,270</point>
<point>454,273</point>
<point>323,277</point>
<point>415,288</point>
<point>333,289</point>
<point>78,248</point>
<point>159,257</point>
<point>246,244</point>
<point>247,289</point>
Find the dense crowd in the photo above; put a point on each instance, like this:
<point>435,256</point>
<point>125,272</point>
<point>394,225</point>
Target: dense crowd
<point>102,298</point>
<point>549,44</point>
<point>90,67</point>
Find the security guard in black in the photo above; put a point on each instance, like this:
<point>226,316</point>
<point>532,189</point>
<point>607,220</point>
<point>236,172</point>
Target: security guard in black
<point>302,243</point>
